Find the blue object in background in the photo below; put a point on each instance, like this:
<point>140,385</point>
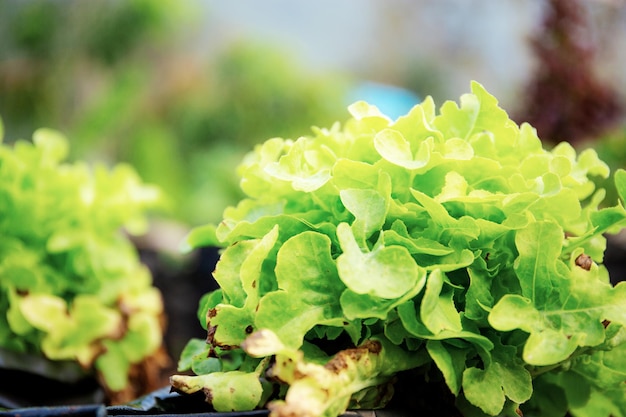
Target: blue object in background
<point>391,100</point>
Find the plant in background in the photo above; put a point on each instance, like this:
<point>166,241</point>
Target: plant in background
<point>564,100</point>
<point>125,83</point>
<point>71,284</point>
<point>611,149</point>
<point>204,118</point>
<point>448,247</point>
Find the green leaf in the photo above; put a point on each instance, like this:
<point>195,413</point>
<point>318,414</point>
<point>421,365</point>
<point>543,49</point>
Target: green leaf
<point>207,302</point>
<point>193,349</point>
<point>607,219</point>
<point>368,114</point>
<point>603,404</point>
<point>306,168</point>
<point>142,338</point>
<point>506,377</point>
<point>16,320</point>
<point>312,298</point>
<point>515,379</point>
<point>416,125</point>
<point>451,362</point>
<point>356,305</point>
<point>228,391</point>
<point>113,366</point>
<point>605,369</point>
<point>369,207</point>
<point>546,345</point>
<point>291,317</point>
<point>71,333</point>
<point>436,210</point>
<point>239,271</point>
<point>482,387</point>
<point>53,144</point>
<point>200,236</point>
<point>479,296</point>
<point>576,388</point>
<point>438,312</point>
<point>392,146</point>
<point>420,245</point>
<point>386,271</point>
<point>410,320</point>
<point>478,112</point>
<point>349,174</point>
<point>538,264</point>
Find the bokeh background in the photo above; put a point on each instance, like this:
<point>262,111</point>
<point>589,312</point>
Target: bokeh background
<point>182,89</point>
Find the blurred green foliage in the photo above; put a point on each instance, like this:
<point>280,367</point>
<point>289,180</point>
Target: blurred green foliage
<point>72,287</point>
<point>125,81</point>
<point>611,148</point>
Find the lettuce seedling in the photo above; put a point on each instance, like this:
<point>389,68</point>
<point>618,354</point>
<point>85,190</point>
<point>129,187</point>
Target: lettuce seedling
<point>72,287</point>
<point>449,243</point>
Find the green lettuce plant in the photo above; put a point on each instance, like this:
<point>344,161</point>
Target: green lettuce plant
<point>72,287</point>
<point>450,245</point>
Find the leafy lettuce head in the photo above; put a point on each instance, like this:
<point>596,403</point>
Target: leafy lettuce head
<point>72,287</point>
<point>451,239</point>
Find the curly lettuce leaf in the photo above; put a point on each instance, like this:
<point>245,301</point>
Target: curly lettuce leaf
<point>229,391</point>
<point>560,311</point>
<point>308,300</point>
<point>386,271</point>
